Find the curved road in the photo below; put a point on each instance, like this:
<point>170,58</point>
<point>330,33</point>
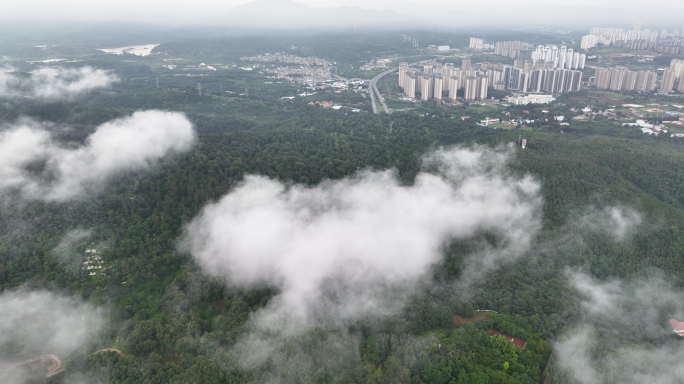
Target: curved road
<point>373,89</point>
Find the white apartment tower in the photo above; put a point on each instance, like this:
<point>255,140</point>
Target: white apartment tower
<point>568,58</point>
<point>582,60</point>
<point>454,85</point>
<point>470,88</point>
<point>575,60</point>
<point>677,65</point>
<point>425,87</point>
<point>562,55</point>
<point>667,83</point>
<point>410,86</point>
<point>438,87</point>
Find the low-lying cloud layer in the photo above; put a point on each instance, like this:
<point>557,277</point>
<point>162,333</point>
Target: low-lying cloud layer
<point>41,323</point>
<point>356,247</point>
<point>53,83</point>
<point>624,336</point>
<point>34,166</point>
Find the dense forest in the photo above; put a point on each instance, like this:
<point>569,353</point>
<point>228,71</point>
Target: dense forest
<point>174,323</point>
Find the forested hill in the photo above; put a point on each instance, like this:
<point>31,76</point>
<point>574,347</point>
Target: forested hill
<point>177,325</point>
<point>590,294</point>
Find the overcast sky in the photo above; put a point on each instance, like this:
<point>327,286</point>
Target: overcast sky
<point>210,11</point>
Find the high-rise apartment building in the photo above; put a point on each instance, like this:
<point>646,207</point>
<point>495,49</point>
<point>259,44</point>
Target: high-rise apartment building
<point>476,43</point>
<point>677,65</point>
<point>562,56</point>
<point>482,86</point>
<point>589,41</point>
<point>528,66</point>
<point>425,86</point>
<point>602,78</point>
<point>470,88</point>
<point>617,78</point>
<point>438,81</point>
<point>630,81</point>
<point>568,58</point>
<point>646,81</point>
<point>403,69</point>
<point>667,83</point>
<point>410,86</point>
<point>465,64</point>
<point>622,79</point>
<point>581,62</point>
<point>575,60</point>
<point>454,85</point>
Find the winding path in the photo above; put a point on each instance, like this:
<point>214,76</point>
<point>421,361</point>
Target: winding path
<point>53,369</point>
<point>118,351</point>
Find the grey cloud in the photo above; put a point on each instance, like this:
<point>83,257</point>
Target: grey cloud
<point>617,221</point>
<point>623,335</point>
<point>53,83</point>
<point>41,323</point>
<point>36,167</point>
<point>357,247</point>
<point>65,251</point>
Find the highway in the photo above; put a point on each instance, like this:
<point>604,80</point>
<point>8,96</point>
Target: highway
<point>371,92</point>
<point>373,89</point>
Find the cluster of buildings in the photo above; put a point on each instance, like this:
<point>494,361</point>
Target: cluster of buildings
<point>433,81</point>
<point>561,57</point>
<point>480,44</point>
<point>646,39</point>
<point>622,79</point>
<point>375,64</point>
<point>675,72</point>
<point>540,76</point>
<point>512,49</point>
<point>302,75</point>
<point>310,70</point>
<point>609,36</point>
<point>282,57</point>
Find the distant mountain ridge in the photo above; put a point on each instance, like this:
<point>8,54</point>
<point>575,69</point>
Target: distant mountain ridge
<point>289,14</point>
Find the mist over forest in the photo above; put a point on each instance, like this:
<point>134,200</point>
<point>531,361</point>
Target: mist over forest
<point>250,192</point>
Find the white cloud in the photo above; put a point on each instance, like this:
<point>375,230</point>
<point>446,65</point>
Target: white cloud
<point>53,83</point>
<point>623,336</point>
<point>36,167</point>
<point>42,323</point>
<point>65,250</point>
<point>355,247</point>
<point>617,221</point>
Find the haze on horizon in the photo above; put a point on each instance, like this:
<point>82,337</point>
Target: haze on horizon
<point>405,13</point>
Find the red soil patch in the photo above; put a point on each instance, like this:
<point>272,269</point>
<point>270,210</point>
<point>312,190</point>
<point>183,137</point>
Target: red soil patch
<point>518,342</point>
<point>458,320</point>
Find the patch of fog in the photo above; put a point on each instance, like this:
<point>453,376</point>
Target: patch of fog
<point>138,50</point>
<point>48,61</point>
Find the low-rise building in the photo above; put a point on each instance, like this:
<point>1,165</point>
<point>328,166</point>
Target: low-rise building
<point>677,327</point>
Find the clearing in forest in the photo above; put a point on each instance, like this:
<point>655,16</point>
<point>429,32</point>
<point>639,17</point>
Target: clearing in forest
<point>458,320</point>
